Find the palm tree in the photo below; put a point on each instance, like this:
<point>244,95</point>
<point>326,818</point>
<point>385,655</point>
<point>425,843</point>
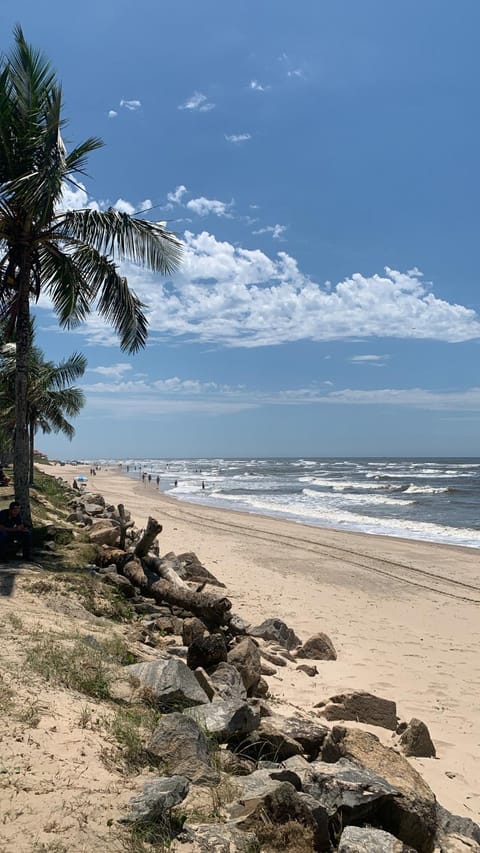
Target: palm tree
<point>70,255</point>
<point>51,398</point>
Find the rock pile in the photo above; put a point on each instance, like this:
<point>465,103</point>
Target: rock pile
<point>205,670</point>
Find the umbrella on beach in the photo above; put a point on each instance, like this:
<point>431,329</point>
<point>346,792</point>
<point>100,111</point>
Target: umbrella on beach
<point>81,479</point>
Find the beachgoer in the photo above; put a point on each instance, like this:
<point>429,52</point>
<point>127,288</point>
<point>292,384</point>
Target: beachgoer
<point>149,478</point>
<point>12,529</point>
<point>176,482</point>
<point>158,481</point>
<point>203,484</point>
<point>76,486</point>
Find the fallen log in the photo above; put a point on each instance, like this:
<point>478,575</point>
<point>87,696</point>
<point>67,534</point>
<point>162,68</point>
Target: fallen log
<point>213,611</point>
<point>163,570</point>
<point>152,530</point>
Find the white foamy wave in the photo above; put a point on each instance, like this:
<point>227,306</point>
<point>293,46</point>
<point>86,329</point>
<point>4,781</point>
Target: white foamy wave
<point>426,490</point>
<point>359,499</point>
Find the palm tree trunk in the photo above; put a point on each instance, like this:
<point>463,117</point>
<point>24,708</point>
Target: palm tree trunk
<point>31,427</point>
<point>21,454</point>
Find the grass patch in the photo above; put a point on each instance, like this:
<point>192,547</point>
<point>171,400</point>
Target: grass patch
<point>96,597</point>
<point>77,666</point>
<point>145,836</point>
<point>292,836</point>
<point>129,730</point>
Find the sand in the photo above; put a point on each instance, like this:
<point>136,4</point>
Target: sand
<point>404,615</point>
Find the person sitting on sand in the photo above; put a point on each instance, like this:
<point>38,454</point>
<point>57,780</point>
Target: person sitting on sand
<point>12,529</point>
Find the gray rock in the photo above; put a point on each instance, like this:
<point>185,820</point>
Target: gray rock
<point>228,682</point>
<point>411,815</point>
<point>283,804</point>
<point>168,625</point>
<point>156,798</point>
<point>237,625</point>
<point>449,823</point>
<point>269,742</point>
<point>178,651</point>
<point>416,740</point>
<point>234,764</point>
<point>104,535</point>
<point>121,583</point>
<point>92,508</point>
<point>245,657</point>
<point>278,660</point>
<point>362,707</point>
<point>356,839</point>
<point>180,747</point>
<point>311,671</point>
<point>319,647</point>
<point>205,682</point>
<point>305,731</point>
<point>277,631</point>
<point>169,682</point>
<point>226,718</point>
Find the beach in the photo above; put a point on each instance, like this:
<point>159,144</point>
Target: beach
<point>403,614</point>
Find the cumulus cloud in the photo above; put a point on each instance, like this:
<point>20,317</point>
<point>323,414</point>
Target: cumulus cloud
<point>75,197</point>
<point>236,138</point>
<point>207,206</point>
<point>112,114</point>
<point>277,231</point>
<point>130,105</point>
<point>236,297</point>
<point>176,196</point>
<point>124,206</point>
<point>197,101</point>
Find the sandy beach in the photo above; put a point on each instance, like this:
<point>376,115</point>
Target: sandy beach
<point>403,615</point>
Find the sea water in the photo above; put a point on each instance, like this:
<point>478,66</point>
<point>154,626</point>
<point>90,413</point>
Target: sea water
<point>432,499</point>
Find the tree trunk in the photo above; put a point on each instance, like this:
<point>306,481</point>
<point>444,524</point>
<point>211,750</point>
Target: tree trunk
<point>31,427</point>
<point>152,530</point>
<point>21,443</point>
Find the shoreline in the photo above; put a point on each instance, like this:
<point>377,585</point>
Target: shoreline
<point>403,614</point>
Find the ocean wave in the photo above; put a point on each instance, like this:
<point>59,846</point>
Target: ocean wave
<point>358,499</point>
<point>427,490</point>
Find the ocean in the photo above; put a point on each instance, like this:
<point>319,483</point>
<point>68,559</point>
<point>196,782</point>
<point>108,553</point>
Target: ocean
<point>432,499</point>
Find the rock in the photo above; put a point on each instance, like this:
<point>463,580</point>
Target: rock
<point>98,500</point>
<point>182,748</point>
<point>237,625</point>
<point>225,718</point>
<point>228,682</point>
<point>219,838</point>
<point>268,670</point>
<point>455,843</point>
<point>207,651</point>
<point>205,682</point>
<point>308,670</point>
<point>319,647</point>
<point>121,583</point>
<point>278,631</point>
<point>262,689</point>
<point>168,625</point>
<point>245,657</point>
<point>362,707</point>
<point>104,535</point>
<point>193,628</point>
<point>156,798</point>
<point>169,682</point>
<point>234,764</point>
<point>305,731</point>
<point>416,740</point>
<point>190,568</point>
<point>412,812</point>
<point>268,742</point>
<point>283,804</point>
<point>92,508</point>
<point>357,839</point>
<point>451,824</point>
<point>178,651</point>
<point>278,660</point>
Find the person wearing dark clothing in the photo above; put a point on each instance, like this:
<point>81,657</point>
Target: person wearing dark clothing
<point>4,480</point>
<point>12,529</point>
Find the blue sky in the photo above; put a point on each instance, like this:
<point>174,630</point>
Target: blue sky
<point>320,161</point>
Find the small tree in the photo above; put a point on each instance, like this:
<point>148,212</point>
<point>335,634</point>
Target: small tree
<point>71,255</point>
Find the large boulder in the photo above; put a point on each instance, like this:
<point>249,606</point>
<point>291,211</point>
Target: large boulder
<point>450,825</point>
<point>104,533</point>
<point>359,839</point>
<point>228,682</point>
<point>412,811</point>
<point>268,742</point>
<point>225,719</point>
<point>360,706</point>
<point>305,731</point>
<point>318,647</point>
<point>416,740</point>
<point>245,657</point>
<point>277,631</point>
<point>193,628</point>
<point>169,682</point>
<point>157,798</point>
<point>180,747</point>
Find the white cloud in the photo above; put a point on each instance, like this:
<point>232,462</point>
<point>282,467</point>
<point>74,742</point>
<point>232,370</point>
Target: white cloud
<point>295,72</point>
<point>112,114</point>
<point>124,206</point>
<point>75,197</point>
<point>113,370</point>
<point>207,206</point>
<point>375,360</point>
<point>177,195</point>
<point>419,398</point>
<point>197,101</point>
<point>145,205</point>
<point>276,231</point>
<point>130,105</point>
<point>257,87</point>
<point>236,138</point>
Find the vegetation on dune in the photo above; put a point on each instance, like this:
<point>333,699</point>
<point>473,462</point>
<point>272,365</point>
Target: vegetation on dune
<point>70,255</point>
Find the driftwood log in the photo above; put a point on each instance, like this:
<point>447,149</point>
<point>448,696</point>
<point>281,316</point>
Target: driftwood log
<point>152,530</point>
